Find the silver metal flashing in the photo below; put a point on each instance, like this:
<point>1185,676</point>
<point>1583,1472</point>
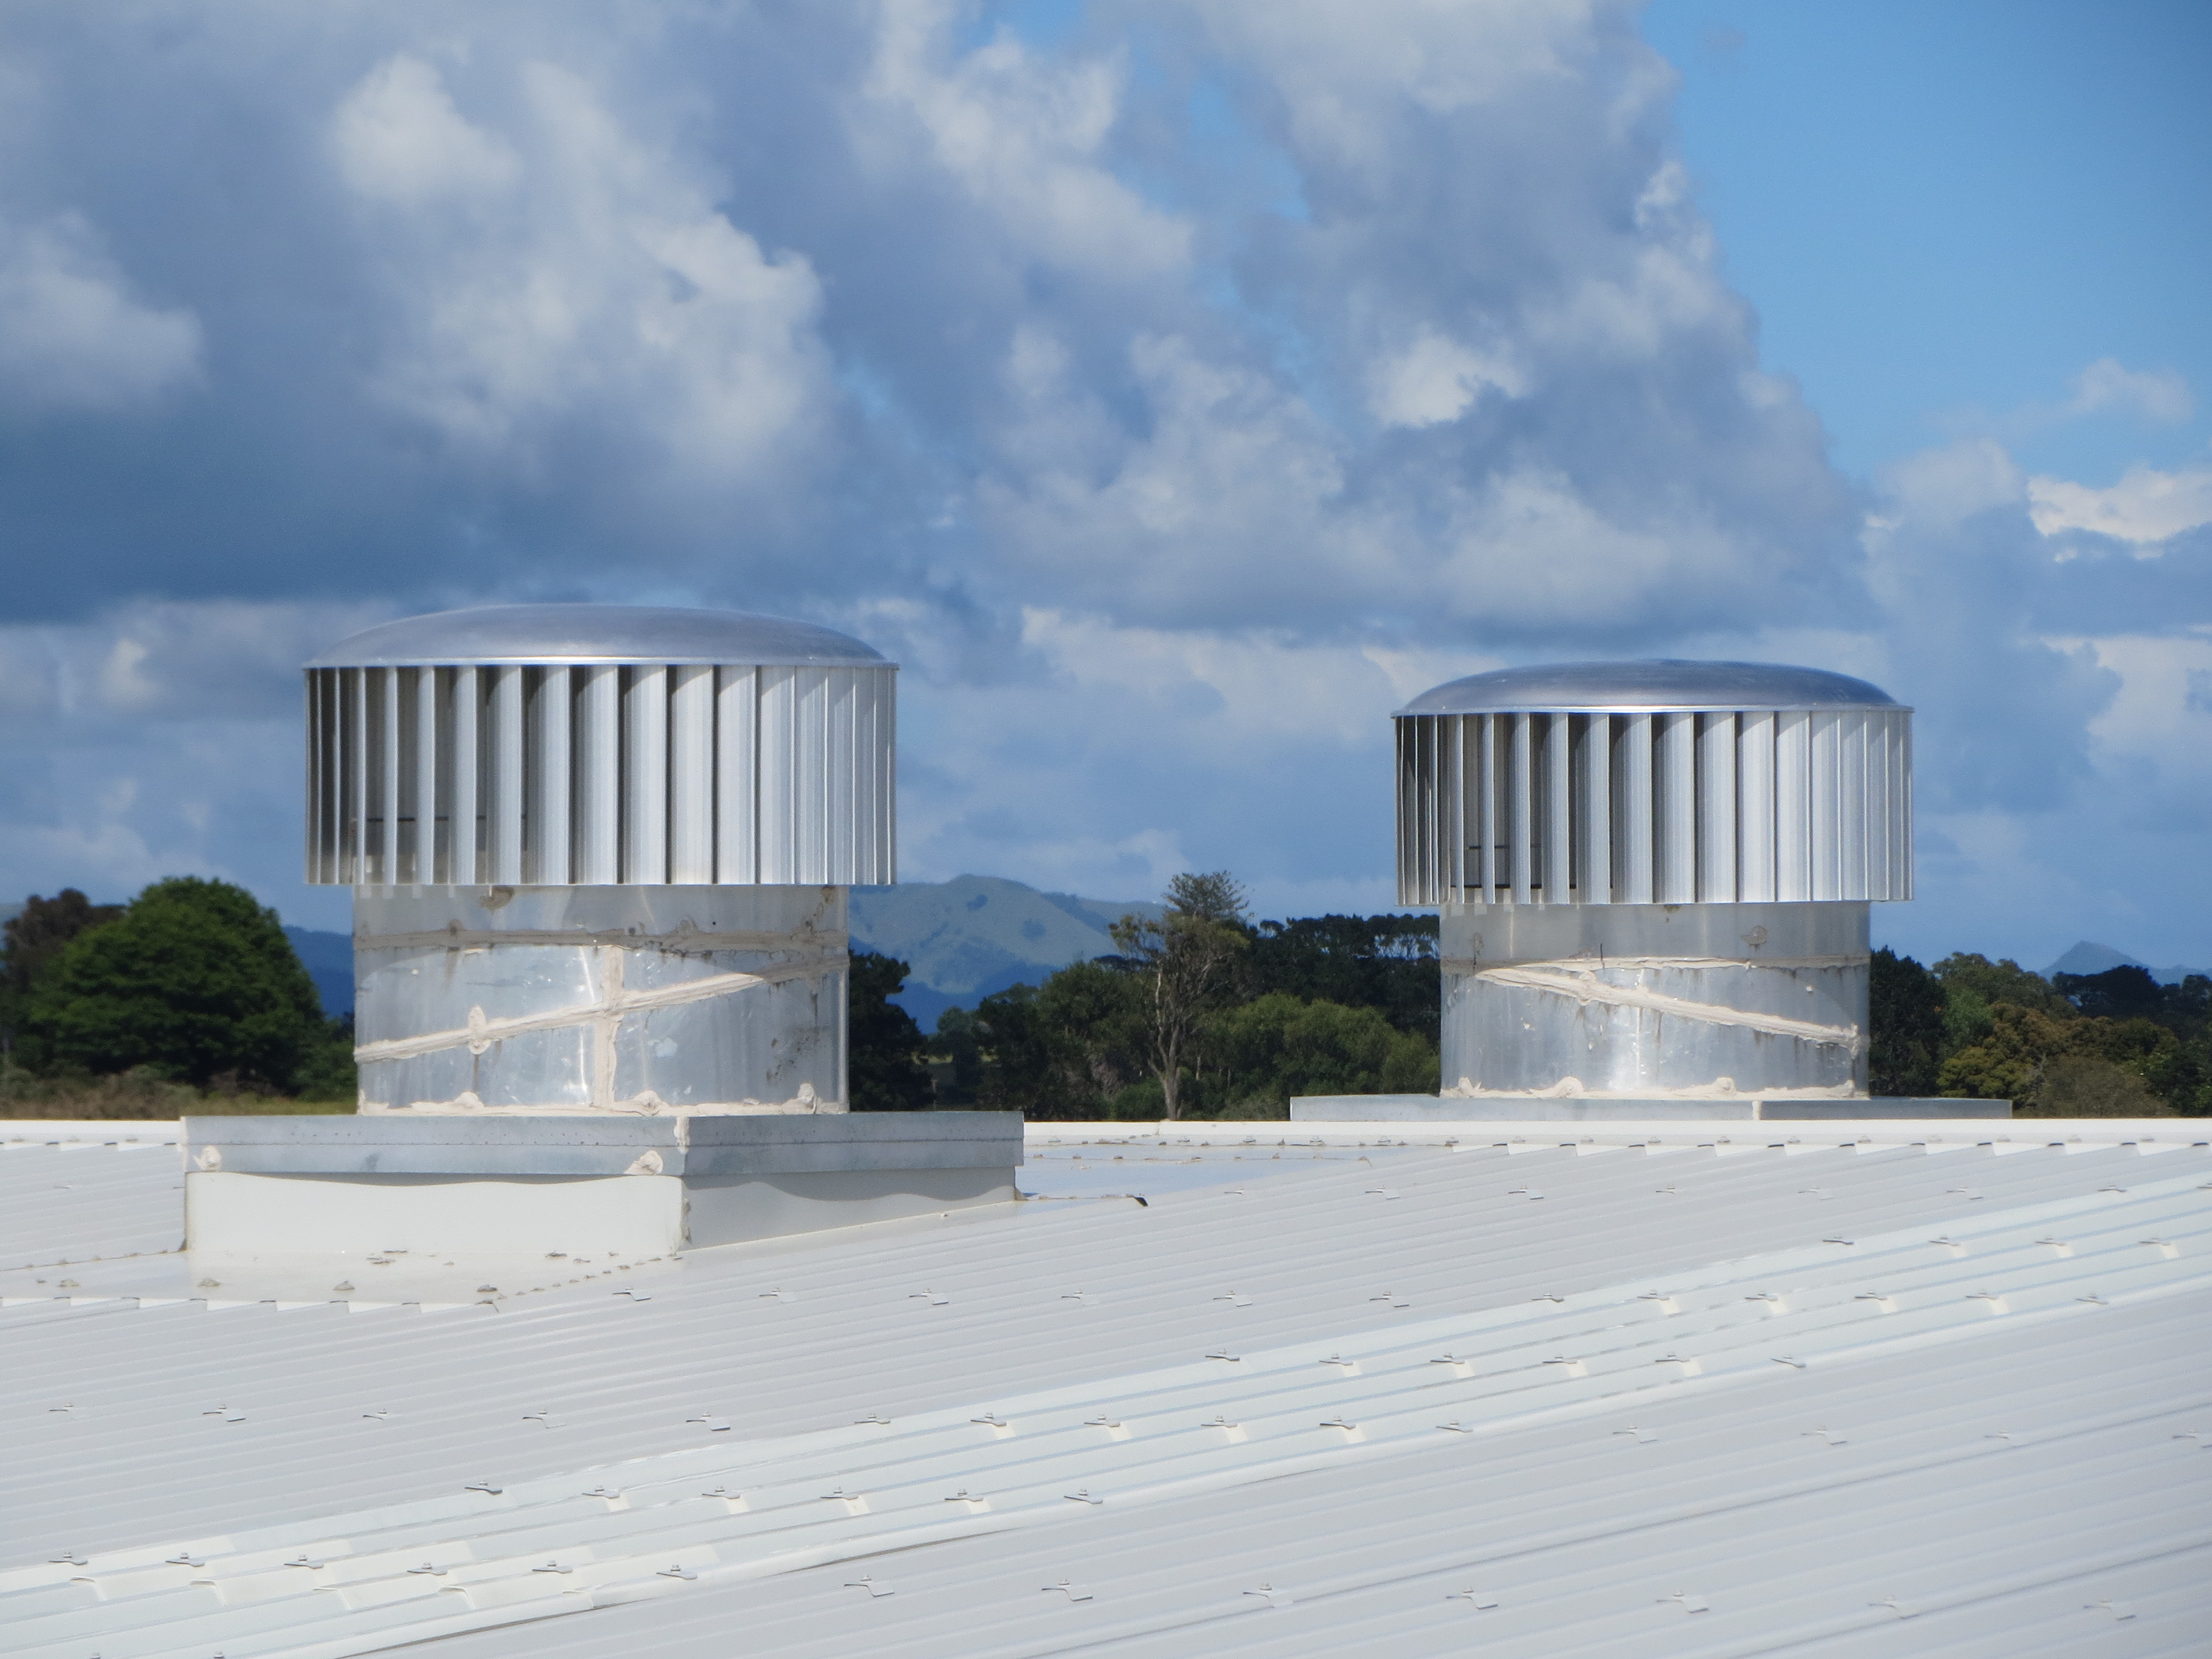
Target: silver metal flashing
<point>540,634</point>
<point>705,1146</point>
<point>646,1000</point>
<point>287,1190</point>
<point>1713,1000</point>
<point>1619,1108</point>
<point>1629,687</point>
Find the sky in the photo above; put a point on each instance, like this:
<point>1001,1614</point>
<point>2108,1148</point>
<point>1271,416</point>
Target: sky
<point>1173,389</point>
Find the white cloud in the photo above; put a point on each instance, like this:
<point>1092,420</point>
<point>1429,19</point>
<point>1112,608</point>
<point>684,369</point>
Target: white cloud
<point>1245,690</point>
<point>1023,137</point>
<point>605,283</point>
<point>1436,378</point>
<point>2145,507</point>
<point>1141,752</point>
<point>2153,713</point>
<point>1216,514</point>
<point>399,139</point>
<point>167,661</point>
<point>1945,487</point>
<point>2159,394</point>
<point>72,337</point>
<point>1338,66</point>
<point>1172,416</point>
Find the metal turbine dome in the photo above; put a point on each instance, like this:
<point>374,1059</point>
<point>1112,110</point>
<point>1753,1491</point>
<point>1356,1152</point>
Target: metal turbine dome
<point>1654,876</point>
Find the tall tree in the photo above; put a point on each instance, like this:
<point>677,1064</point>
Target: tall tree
<point>1385,963</point>
<point>1906,1026</point>
<point>1064,1049</point>
<point>1187,960</point>
<point>1276,1046</point>
<point>34,938</point>
<point>195,980</point>
<point>884,1071</point>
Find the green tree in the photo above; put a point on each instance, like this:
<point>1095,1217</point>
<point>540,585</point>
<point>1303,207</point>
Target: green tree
<point>1904,1025</point>
<point>1065,1049</point>
<point>2081,1085</point>
<point>1276,1046</point>
<point>2179,1074</point>
<point>1186,961</point>
<point>2016,1057</point>
<point>195,980</point>
<point>1974,986</point>
<point>884,1071</point>
<point>955,1052</point>
<point>33,939</point>
<point>1385,962</point>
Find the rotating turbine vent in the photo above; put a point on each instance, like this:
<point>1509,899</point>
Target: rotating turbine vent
<point>600,854</point>
<point>1654,783</point>
<point>591,745</point>
<point>1655,876</point>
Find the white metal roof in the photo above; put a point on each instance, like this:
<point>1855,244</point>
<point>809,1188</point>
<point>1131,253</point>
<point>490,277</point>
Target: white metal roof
<point>1722,1397</point>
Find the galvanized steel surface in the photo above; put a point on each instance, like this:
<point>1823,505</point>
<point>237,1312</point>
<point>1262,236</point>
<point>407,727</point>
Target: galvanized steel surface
<point>1646,1000</point>
<point>1738,1502</point>
<point>1662,683</point>
<point>508,776</point>
<point>78,1200</point>
<point>1684,805</point>
<point>541,634</point>
<point>595,999</point>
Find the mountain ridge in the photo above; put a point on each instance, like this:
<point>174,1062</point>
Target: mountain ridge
<point>964,939</point>
<point>2088,957</point>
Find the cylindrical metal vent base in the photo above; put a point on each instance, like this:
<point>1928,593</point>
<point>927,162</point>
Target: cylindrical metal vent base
<point>648,999</point>
<point>1653,999</point>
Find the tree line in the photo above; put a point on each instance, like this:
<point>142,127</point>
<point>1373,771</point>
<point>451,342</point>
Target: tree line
<point>2114,1044</point>
<point>1199,1013</point>
<point>192,987</point>
<point>1204,1013</point>
<point>114,1009</point>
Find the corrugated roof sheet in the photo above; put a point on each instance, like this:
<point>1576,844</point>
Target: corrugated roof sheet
<point>1744,1400</point>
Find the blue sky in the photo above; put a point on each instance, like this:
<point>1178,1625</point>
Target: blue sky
<point>1942,212</point>
<point>1174,388</point>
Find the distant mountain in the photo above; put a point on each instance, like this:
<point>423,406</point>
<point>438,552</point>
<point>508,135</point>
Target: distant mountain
<point>328,958</point>
<point>966,938</point>
<point>2089,958</point>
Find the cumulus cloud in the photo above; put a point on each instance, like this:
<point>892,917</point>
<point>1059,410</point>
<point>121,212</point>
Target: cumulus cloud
<point>1023,137</point>
<point>598,274</point>
<point>1175,396</point>
<point>2158,394</point>
<point>1967,586</point>
<point>2147,506</point>
<point>400,139</point>
<point>156,660</point>
<point>1436,378</point>
<point>157,739</point>
<point>73,336</point>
